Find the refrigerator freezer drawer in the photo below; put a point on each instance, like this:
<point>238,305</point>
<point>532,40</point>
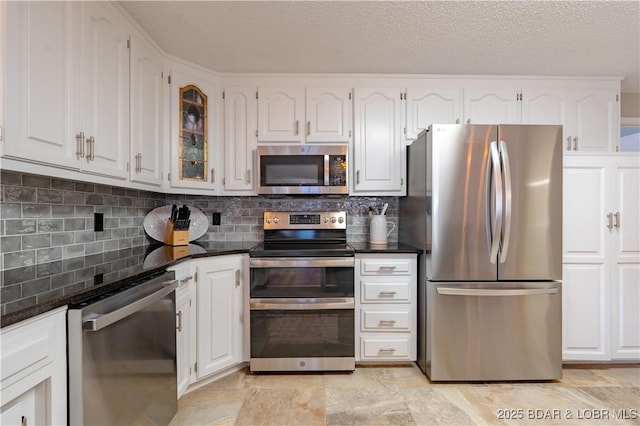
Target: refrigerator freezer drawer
<point>494,331</point>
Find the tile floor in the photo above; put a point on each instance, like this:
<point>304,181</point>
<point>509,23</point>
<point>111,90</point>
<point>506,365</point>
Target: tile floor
<point>402,395</point>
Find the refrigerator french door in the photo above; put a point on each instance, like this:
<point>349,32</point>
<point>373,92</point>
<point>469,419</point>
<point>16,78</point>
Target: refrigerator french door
<point>485,201</point>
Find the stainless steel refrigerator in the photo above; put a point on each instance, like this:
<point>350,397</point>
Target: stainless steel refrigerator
<point>484,202</point>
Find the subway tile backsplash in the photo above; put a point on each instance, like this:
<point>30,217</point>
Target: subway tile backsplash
<point>47,239</point>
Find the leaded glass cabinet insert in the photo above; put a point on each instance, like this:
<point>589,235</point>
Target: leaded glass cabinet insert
<point>193,134</point>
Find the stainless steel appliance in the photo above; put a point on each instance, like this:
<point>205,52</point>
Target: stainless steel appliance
<point>122,355</point>
<point>302,294</point>
<point>306,169</point>
<point>485,202</point>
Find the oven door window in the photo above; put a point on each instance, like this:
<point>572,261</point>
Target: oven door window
<point>305,282</point>
<point>302,333</point>
<point>292,170</point>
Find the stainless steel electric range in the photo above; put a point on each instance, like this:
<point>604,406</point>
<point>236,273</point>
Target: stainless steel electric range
<point>302,294</point>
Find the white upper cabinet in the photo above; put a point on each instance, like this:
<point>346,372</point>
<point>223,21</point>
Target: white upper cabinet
<point>194,135</point>
<point>105,47</point>
<point>491,106</point>
<point>299,115</point>
<point>545,106</point>
<point>595,120</point>
<point>328,115</point>
<point>240,127</point>
<point>43,66</point>
<point>379,152</point>
<point>68,83</point>
<point>281,114</point>
<point>426,106</point>
<point>146,113</point>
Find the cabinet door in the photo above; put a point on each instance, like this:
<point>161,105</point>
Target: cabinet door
<point>183,341</point>
<point>281,114</point>
<point>625,254</point>
<point>379,151</point>
<point>545,106</point>
<point>105,90</point>
<point>595,120</point>
<point>30,408</point>
<point>585,312</point>
<point>220,314</point>
<point>484,106</point>
<point>427,106</point>
<point>146,113</point>
<point>625,305</point>
<point>240,126</point>
<point>41,82</point>
<point>328,115</point>
<point>585,208</point>
<point>200,176</point>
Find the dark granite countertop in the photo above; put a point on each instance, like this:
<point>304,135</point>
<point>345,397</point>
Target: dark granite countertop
<point>50,285</point>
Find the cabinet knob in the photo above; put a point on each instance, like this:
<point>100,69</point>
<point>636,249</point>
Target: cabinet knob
<point>568,143</point>
<point>308,128</point>
<point>575,143</point>
<point>617,216</point>
<point>610,220</point>
<point>297,127</point>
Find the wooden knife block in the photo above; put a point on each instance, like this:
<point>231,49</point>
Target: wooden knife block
<point>175,238</point>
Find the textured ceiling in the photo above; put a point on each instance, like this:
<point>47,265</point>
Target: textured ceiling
<point>590,38</point>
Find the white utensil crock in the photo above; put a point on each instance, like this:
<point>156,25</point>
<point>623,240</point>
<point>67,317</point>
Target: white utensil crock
<point>379,229</point>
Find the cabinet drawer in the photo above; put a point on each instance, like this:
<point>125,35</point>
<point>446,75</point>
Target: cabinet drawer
<point>26,348</point>
<point>385,266</point>
<point>385,291</point>
<point>385,348</point>
<point>388,319</point>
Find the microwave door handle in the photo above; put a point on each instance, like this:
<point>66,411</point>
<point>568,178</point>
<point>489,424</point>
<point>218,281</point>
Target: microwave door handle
<point>326,170</point>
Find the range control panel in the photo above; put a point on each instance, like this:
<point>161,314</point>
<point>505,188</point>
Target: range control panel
<point>305,220</point>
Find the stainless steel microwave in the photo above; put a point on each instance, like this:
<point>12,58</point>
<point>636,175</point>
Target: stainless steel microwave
<point>303,169</point>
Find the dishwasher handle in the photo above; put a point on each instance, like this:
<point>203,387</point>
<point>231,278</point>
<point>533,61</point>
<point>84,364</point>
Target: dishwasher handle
<point>495,292</point>
<point>105,320</point>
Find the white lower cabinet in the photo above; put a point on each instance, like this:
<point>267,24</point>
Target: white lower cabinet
<point>33,373</point>
<point>601,256</point>
<point>385,307</point>
<point>220,313</point>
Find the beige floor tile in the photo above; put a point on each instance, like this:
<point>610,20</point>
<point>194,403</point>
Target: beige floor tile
<point>401,394</point>
<point>283,407</point>
<point>373,406</point>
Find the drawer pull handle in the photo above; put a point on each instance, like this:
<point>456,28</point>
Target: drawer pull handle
<point>387,322</point>
<point>387,293</point>
<point>387,268</point>
<point>386,350</point>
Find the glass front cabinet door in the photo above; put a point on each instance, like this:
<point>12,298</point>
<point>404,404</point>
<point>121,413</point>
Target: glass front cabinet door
<point>193,130</point>
<point>193,134</point>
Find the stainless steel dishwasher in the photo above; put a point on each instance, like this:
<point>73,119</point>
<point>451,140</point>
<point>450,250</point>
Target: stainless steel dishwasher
<point>122,355</point>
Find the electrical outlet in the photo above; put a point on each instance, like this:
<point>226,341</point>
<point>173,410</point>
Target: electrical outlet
<point>98,222</point>
<point>215,220</point>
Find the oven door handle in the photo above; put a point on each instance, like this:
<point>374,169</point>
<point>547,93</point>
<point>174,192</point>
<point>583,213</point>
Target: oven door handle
<point>302,304</point>
<point>301,262</point>
<point>102,321</point>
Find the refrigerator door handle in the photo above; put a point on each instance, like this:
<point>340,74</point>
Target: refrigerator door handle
<point>495,216</point>
<point>495,292</point>
<point>506,230</point>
